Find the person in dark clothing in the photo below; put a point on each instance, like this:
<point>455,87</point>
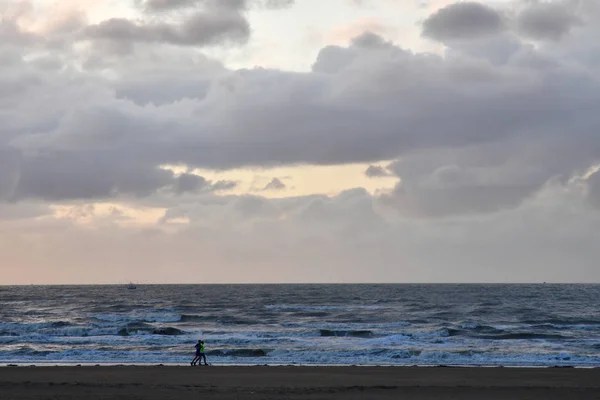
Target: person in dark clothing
<point>197,357</point>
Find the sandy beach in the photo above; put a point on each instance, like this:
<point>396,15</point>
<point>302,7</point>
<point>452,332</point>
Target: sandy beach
<point>270,382</point>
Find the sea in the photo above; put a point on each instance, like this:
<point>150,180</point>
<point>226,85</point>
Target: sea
<point>387,324</point>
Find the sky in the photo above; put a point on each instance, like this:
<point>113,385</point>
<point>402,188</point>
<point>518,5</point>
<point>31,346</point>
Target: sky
<point>276,141</point>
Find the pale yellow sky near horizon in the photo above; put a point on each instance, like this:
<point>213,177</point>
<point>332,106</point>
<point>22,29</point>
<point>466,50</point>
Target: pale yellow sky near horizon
<point>328,180</point>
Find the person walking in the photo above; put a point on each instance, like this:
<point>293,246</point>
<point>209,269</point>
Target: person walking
<point>201,355</point>
<point>197,357</point>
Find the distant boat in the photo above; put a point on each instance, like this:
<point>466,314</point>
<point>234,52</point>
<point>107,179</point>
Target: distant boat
<point>131,285</point>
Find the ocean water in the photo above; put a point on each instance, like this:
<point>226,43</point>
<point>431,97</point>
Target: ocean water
<point>512,325</point>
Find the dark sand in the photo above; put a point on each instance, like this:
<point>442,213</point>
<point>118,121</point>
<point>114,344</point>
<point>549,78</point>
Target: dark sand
<point>214,382</point>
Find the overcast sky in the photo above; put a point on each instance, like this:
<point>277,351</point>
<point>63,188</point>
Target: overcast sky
<point>192,141</point>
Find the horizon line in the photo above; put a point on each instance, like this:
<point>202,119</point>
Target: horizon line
<point>300,283</point>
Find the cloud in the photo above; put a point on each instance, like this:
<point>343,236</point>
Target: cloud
<point>86,175</point>
<point>363,29</point>
<point>277,4</point>
<point>492,141</point>
<point>25,211</point>
<point>376,171</point>
<point>341,238</point>
<point>482,126</point>
<point>186,182</point>
<point>275,184</point>
<point>226,119</point>
<point>593,185</point>
<point>200,29</point>
<point>11,33</point>
<point>92,175</point>
<point>163,5</point>
<point>548,21</point>
<point>170,5</point>
<point>465,20</point>
<point>10,162</point>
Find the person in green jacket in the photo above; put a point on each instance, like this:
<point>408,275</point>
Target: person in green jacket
<point>202,356</point>
<point>199,354</point>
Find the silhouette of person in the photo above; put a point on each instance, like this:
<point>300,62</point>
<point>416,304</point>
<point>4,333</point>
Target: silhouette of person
<point>197,357</point>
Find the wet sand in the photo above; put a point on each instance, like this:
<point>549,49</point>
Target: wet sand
<point>275,382</point>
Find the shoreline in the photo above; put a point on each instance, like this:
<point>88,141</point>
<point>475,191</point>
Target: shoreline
<point>8,364</point>
<point>297,382</point>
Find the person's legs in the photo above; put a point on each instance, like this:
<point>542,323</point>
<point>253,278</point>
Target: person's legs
<point>196,358</point>
<point>203,357</point>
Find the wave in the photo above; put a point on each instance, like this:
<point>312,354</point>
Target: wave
<point>132,329</point>
<point>524,336</point>
<point>304,307</point>
<point>355,333</point>
<point>60,324</point>
<point>31,352</point>
<point>221,319</point>
<point>525,331</point>
<point>568,321</point>
<point>68,329</point>
<point>142,316</point>
<point>192,318</point>
<point>238,353</point>
<point>403,354</point>
<point>491,333</point>
<point>567,327</point>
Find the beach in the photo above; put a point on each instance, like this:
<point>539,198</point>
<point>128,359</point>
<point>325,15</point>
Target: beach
<point>294,382</point>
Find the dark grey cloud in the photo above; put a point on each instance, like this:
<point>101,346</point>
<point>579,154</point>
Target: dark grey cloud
<point>482,127</point>
<point>200,29</point>
<point>464,20</point>
<point>170,5</point>
<point>189,183</point>
<point>548,21</point>
<point>275,184</point>
<point>593,185</point>
<point>92,175</point>
<point>223,185</point>
<point>192,183</point>
<point>498,49</point>
<point>371,40</point>
<point>333,59</point>
<point>167,5</point>
<point>436,202</point>
<point>376,171</point>
<point>489,177</point>
<point>419,106</point>
<point>10,162</point>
